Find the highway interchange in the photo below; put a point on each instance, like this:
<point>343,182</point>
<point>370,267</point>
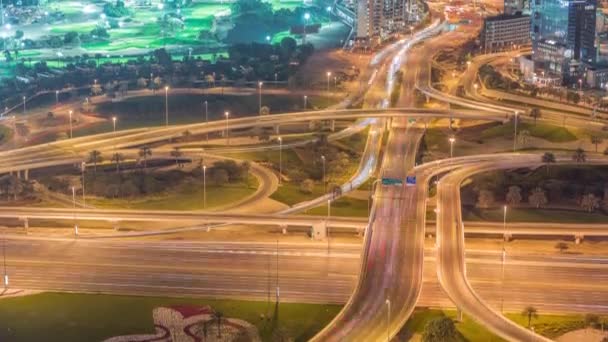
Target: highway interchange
<point>394,272</point>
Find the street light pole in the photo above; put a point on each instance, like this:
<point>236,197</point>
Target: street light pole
<point>56,91</point>
<point>82,168</point>
<point>70,113</point>
<point>328,75</point>
<point>227,114</point>
<point>166,106</point>
<point>305,100</point>
<point>207,117</point>
<point>327,223</point>
<point>324,183</point>
<point>306,18</point>
<point>204,186</point>
<point>515,132</point>
<point>23,104</point>
<point>504,254</point>
<point>388,321</point>
<point>260,97</point>
<point>114,124</point>
<point>280,158</point>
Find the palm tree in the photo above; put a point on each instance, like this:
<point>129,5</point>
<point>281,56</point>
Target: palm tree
<point>596,140</point>
<point>95,157</point>
<point>217,316</point>
<point>531,313</point>
<point>535,113</point>
<point>548,158</point>
<point>579,155</point>
<point>117,158</point>
<point>145,152</point>
<point>176,153</point>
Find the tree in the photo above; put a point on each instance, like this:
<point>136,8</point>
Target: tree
<point>95,157</point>
<point>176,153</point>
<point>523,136</point>
<point>530,312</point>
<point>592,320</point>
<point>548,158</point>
<point>589,202</point>
<point>96,89</point>
<point>145,152</point>
<point>513,196</point>
<point>307,186</point>
<point>596,140</point>
<point>537,198</point>
<point>561,246</point>
<point>535,114</point>
<point>142,83</point>
<point>485,199</point>
<point>579,155</point>
<point>264,110</point>
<point>440,329</point>
<point>219,177</point>
<point>117,158</point>
<point>217,316</point>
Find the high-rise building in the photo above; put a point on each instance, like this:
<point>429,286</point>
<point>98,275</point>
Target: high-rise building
<point>377,19</point>
<point>505,32</point>
<point>581,30</point>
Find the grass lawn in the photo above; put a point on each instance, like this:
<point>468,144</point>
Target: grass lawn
<point>534,215</point>
<point>290,194</point>
<point>551,326</point>
<point>468,329</point>
<point>188,198</point>
<point>548,132</point>
<point>82,317</point>
<point>343,206</point>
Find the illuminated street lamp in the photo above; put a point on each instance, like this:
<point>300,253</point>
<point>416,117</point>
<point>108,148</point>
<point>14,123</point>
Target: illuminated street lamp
<point>166,106</point>
<point>580,84</point>
<point>324,183</point>
<point>328,75</point>
<point>204,186</point>
<point>306,18</point>
<point>388,321</point>
<point>56,97</point>
<point>475,86</point>
<point>227,114</point>
<point>83,166</point>
<point>70,115</point>
<point>468,64</point>
<point>504,257</point>
<point>280,158</point>
<point>305,100</point>
<point>114,124</point>
<point>452,140</point>
<point>24,104</point>
<point>260,84</point>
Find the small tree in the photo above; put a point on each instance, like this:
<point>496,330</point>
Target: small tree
<point>592,320</point>
<point>142,83</point>
<point>513,196</point>
<point>561,246</point>
<point>176,153</point>
<point>145,152</point>
<point>307,186</point>
<point>217,316</point>
<point>523,137</point>
<point>589,202</point>
<point>535,114</point>
<point>440,329</point>
<point>95,157</point>
<point>537,198</point>
<point>579,155</point>
<point>219,177</point>
<point>548,158</point>
<point>530,312</point>
<point>596,140</point>
<point>485,199</point>
<point>265,110</point>
<point>117,158</point>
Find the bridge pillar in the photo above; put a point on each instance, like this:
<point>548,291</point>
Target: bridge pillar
<point>507,237</point>
<point>26,174</point>
<point>319,231</point>
<point>428,99</point>
<point>277,129</point>
<point>18,174</point>
<point>458,315</point>
<point>332,125</point>
<point>578,238</point>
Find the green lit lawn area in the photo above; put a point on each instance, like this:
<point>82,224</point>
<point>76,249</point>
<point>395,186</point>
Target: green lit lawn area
<point>186,198</point>
<point>469,330</point>
<point>548,132</point>
<point>551,326</point>
<point>83,27</point>
<point>290,194</point>
<point>83,317</point>
<point>534,215</point>
<point>343,206</point>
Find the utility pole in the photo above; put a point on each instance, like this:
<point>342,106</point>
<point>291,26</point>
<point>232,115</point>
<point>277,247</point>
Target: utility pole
<point>207,117</point>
